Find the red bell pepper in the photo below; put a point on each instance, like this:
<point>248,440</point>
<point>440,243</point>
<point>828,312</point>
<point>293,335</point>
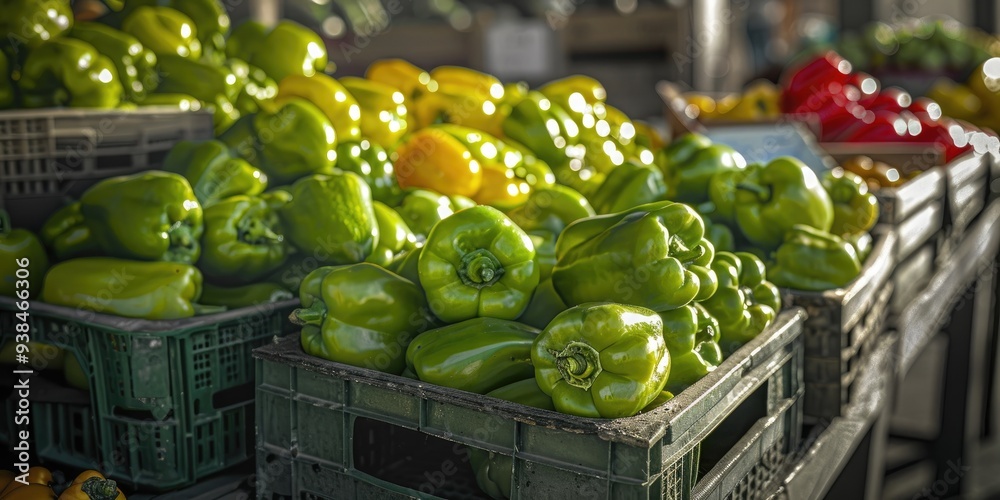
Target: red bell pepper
<point>817,78</point>
<point>892,99</point>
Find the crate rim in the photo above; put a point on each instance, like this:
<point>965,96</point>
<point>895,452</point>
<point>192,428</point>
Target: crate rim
<point>137,325</point>
<point>877,268</point>
<point>642,430</point>
<point>20,114</point>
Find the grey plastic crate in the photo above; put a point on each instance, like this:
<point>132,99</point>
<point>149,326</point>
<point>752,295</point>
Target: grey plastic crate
<point>967,180</point>
<point>50,155</point>
<point>332,431</point>
<point>841,326</point>
<point>911,277</point>
<point>915,211</point>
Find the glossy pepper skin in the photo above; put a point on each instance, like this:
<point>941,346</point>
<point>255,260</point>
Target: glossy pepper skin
<point>293,141</point>
<point>211,24</point>
<point>528,124</point>
<point>722,191</point>
<point>38,486</point>
<point>477,355</point>
<point>69,72</point>
<point>401,74</point>
<point>288,49</point>
<point>147,216</point>
<point>394,236</point>
<point>360,315</point>
<point>591,90</point>
<point>243,241</point>
<point>478,263</point>
<point>692,338</point>
<point>717,233</point>
<point>631,184</point>
<point>689,163</point>
<point>330,97</point>
<point>422,209</point>
<point>525,392</point>
<point>544,215</point>
<point>653,256</point>
<point>432,159</point>
<point>331,215</point>
<point>147,290</point>
<point>383,110</point>
<point>257,90</point>
<point>16,245</point>
<point>501,188</point>
<point>494,472</point>
<point>456,105</point>
<point>27,24</point>
<point>745,303</point>
<point>135,64</point>
<point>244,296</point>
<point>92,485</point>
<point>855,210</point>
<point>785,192</point>
<point>813,260</point>
<point>198,79</point>
<point>372,163</point>
<point>163,30</point>
<point>213,172</point>
<point>67,235</point>
<point>602,360</point>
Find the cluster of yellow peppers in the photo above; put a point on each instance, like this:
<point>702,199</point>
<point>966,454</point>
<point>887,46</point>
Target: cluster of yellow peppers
<point>977,101</point>
<point>760,101</point>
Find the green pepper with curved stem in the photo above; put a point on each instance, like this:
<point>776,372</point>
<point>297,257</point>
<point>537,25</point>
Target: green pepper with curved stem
<point>244,296</point>
<point>147,290</point>
<point>331,216</point>
<point>653,256</point>
<point>602,360</point>
<point>422,209</point>
<point>163,30</point>
<point>146,216</point>
<point>689,163</point>
<point>243,241</point>
<point>525,392</point>
<point>478,263</point>
<point>745,303</point>
<point>66,234</point>
<point>135,64</point>
<point>213,172</point>
<point>477,355</point>
<point>394,237</point>
<point>372,163</point>
<point>360,315</point>
<point>812,260</point>
<point>855,210</point>
<point>782,194</point>
<point>629,185</point>
<point>69,72</point>
<point>15,246</point>
<point>692,336</point>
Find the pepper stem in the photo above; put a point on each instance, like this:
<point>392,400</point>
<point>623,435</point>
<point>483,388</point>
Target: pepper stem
<point>763,193</point>
<point>579,364</point>
<point>681,252</point>
<point>183,244</point>
<point>253,231</point>
<point>480,268</point>
<point>100,489</point>
<point>312,315</point>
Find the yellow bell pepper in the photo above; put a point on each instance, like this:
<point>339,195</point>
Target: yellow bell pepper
<point>433,159</point>
<point>330,97</point>
<point>466,109</point>
<point>589,88</point>
<point>405,77</point>
<point>92,485</point>
<point>39,479</point>
<point>956,100</point>
<point>383,110</point>
<point>458,80</point>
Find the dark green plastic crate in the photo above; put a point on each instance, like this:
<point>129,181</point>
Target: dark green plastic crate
<point>172,401</point>
<point>331,431</point>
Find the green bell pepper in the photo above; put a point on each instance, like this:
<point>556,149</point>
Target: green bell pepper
<point>782,194</point>
<point>745,303</point>
<point>478,263</point>
<point>477,355</point>
<point>67,236</point>
<point>146,216</point>
<point>372,163</point>
<point>543,127</point>
<point>256,88</point>
<point>183,102</point>
<point>204,81</point>
<point>494,472</point>
<point>602,360</point>
<point>31,23</point>
<point>213,172</point>
<point>653,256</point>
<point>855,210</point>
<point>23,263</point>
<point>295,141</point>
<point>243,241</point>
<point>360,315</point>
<point>394,237</point>
<point>331,217</point>
<point>544,215</point>
<point>407,265</point>
<point>689,163</point>
<point>863,244</point>
<point>135,64</point>
<point>69,72</point>
<point>545,304</point>
<point>211,24</point>
<point>718,234</point>
<point>525,392</point>
<point>422,209</point>
<point>163,30</point>
<point>244,296</point>
<point>722,191</point>
<point>627,186</point>
<point>692,338</point>
<point>812,260</point>
<point>288,49</point>
<point>134,289</point>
